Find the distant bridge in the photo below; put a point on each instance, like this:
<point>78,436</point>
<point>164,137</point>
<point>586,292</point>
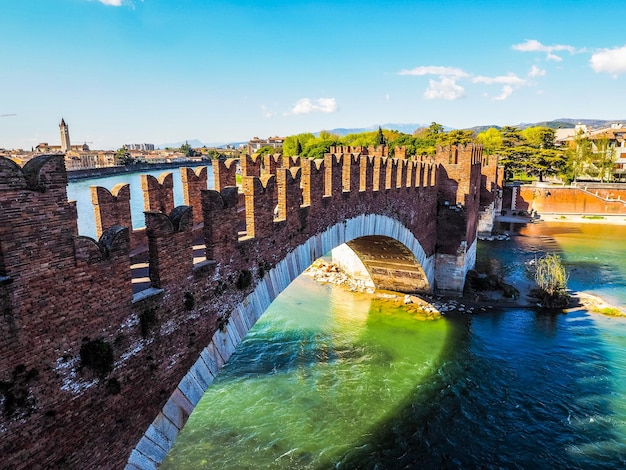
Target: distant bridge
<point>99,371</point>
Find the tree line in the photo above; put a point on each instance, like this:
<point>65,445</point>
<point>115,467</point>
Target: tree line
<point>525,154</point>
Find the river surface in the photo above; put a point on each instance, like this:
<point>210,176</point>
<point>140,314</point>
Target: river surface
<point>78,190</point>
<point>333,379</point>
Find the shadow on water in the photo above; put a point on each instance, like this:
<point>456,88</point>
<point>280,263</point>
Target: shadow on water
<point>534,393</point>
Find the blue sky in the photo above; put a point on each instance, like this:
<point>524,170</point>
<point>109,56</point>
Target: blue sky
<point>130,71</point>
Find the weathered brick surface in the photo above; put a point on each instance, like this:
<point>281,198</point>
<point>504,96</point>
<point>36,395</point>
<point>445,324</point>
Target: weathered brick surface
<point>58,289</point>
<point>569,200</point>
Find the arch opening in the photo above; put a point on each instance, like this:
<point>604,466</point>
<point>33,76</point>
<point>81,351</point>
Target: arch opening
<point>375,237</point>
<point>389,264</point>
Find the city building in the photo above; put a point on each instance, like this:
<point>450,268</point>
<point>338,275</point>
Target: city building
<point>256,144</point>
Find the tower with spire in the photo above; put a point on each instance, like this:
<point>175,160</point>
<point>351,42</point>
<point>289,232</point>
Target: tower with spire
<point>65,136</point>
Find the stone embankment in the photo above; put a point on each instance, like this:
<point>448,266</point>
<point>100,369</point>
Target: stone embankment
<point>424,306</point>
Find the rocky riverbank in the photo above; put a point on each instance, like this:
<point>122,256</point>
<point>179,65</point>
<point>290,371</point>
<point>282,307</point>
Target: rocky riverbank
<point>423,306</point>
<point>431,307</point>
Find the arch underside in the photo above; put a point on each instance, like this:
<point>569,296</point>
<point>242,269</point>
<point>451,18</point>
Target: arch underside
<point>387,249</point>
<point>390,264</point>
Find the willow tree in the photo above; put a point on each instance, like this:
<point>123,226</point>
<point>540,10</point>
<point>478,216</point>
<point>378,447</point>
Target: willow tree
<point>551,278</point>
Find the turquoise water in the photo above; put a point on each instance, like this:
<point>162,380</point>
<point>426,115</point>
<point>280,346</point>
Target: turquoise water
<point>79,191</point>
<point>330,379</point>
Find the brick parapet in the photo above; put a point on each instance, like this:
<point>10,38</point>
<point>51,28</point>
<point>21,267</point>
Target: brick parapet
<point>158,193</point>
<point>83,289</point>
<point>111,207</point>
<point>193,182</point>
<point>224,173</point>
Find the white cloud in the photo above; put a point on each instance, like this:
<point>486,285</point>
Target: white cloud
<point>267,113</point>
<point>510,82</point>
<point>507,91</point>
<point>321,105</point>
<point>612,61</point>
<point>435,70</point>
<point>113,3</point>
<point>532,45</point>
<point>445,89</point>
<point>536,72</point>
<point>510,79</point>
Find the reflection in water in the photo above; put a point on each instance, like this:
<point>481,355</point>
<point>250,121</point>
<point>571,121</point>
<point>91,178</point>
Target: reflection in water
<point>332,379</point>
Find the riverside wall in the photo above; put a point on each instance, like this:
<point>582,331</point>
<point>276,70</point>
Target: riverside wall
<point>578,200</point>
<point>88,363</point>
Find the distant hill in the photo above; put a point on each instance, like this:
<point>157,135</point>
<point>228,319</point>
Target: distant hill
<point>195,143</point>
<point>563,123</point>
<point>406,128</point>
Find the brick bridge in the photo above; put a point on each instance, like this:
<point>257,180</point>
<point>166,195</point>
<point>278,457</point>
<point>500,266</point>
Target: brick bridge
<point>101,370</point>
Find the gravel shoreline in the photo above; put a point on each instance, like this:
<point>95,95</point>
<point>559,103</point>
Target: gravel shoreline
<point>434,306</point>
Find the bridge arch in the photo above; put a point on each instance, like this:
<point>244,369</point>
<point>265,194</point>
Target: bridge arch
<point>359,233</point>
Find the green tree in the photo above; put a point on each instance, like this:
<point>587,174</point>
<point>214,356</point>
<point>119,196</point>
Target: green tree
<point>298,148</point>
<point>380,138</point>
<point>539,137</point>
<point>456,137</point>
<point>403,140</point>
<point>491,140</point>
<point>290,145</point>
<point>187,150</point>
<point>551,278</point>
<point>605,158</point>
<point>579,155</point>
<point>319,147</point>
<point>123,157</point>
<point>268,150</point>
<point>511,137</point>
<point>434,130</point>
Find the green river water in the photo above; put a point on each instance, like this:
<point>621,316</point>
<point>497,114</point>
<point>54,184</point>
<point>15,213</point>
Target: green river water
<point>332,379</point>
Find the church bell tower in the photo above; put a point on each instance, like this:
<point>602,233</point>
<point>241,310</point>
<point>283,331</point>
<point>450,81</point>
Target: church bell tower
<point>65,136</point>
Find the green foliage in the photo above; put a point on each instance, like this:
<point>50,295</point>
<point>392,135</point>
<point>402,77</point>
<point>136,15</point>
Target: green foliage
<point>511,137</point>
<point>579,155</point>
<point>551,278</point>
<point>16,398</point>
<point>269,150</point>
<point>97,355</point>
<point>290,145</point>
<point>215,155</point>
<point>319,148</point>
<point>187,150</point>
<point>491,140</point>
<point>456,137</point>
<point>147,321</point>
<point>123,157</point>
<point>244,280</point>
<point>529,152</point>
<point>380,138</point>
<point>539,137</point>
<point>605,158</point>
<point>189,301</point>
<point>113,387</point>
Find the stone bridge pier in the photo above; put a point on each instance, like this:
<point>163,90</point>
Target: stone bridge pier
<point>101,372</point>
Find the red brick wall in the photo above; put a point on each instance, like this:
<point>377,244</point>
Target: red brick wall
<point>567,200</point>
<point>58,289</point>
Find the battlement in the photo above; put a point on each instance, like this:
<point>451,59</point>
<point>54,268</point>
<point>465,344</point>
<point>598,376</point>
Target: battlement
<point>60,291</point>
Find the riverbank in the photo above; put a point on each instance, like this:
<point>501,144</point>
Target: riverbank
<point>76,175</point>
<point>432,307</point>
<point>618,219</point>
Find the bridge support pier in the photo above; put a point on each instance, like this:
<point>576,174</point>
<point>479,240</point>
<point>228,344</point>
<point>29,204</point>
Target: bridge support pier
<point>450,270</point>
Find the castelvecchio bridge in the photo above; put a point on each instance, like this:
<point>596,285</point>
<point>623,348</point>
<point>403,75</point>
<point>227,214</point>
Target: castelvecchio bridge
<point>100,370</point>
